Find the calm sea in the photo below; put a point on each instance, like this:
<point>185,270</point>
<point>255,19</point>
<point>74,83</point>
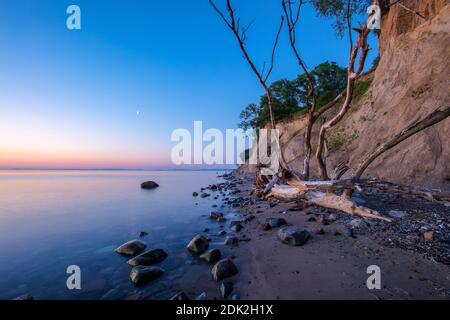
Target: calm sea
<point>52,219</point>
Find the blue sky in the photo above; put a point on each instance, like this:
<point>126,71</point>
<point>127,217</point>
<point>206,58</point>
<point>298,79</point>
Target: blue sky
<point>70,98</point>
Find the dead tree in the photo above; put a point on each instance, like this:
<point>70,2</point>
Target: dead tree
<point>361,48</point>
<point>240,34</point>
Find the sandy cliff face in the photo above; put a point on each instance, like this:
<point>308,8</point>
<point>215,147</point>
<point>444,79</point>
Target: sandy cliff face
<point>412,80</point>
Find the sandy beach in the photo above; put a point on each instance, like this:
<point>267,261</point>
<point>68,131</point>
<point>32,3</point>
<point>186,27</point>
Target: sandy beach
<point>332,265</point>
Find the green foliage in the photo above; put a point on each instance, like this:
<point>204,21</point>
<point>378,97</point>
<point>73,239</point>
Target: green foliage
<point>337,10</point>
<point>361,88</point>
<point>340,139</point>
<point>289,96</point>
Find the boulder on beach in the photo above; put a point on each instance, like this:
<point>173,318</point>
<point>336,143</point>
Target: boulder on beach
<point>294,236</point>
<point>224,269</point>
<point>198,244</point>
<point>211,256</point>
<point>148,258</point>
<point>149,185</point>
<point>142,275</point>
<point>275,222</point>
<point>131,248</point>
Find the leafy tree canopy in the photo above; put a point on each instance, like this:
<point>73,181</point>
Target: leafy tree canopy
<point>337,10</point>
<point>289,96</point>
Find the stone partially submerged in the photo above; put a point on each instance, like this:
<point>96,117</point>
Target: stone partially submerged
<point>149,185</point>
<point>294,236</point>
<point>211,256</point>
<point>224,269</point>
<point>131,248</point>
<point>148,258</point>
<point>198,245</point>
<point>141,275</point>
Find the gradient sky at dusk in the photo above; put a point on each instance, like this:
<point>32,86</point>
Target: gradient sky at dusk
<point>69,99</point>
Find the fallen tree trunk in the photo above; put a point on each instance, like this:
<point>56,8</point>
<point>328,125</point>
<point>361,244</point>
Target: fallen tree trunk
<point>326,200</point>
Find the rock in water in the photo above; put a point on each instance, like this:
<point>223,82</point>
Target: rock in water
<point>148,258</point>
<point>294,236</point>
<point>141,275</point>
<point>212,255</point>
<point>226,288</point>
<point>149,185</point>
<point>180,296</point>
<point>237,227</point>
<point>224,269</point>
<point>198,245</point>
<point>195,194</point>
<point>131,248</point>
<point>143,234</point>
<point>276,222</point>
<point>229,241</point>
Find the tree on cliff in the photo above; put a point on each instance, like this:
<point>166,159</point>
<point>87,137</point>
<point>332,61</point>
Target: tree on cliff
<point>301,189</point>
<point>289,96</point>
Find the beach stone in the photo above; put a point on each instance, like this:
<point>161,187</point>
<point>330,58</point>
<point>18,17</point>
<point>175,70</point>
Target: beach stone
<point>356,223</point>
<point>215,215</point>
<point>397,214</point>
<point>222,233</point>
<point>312,219</point>
<point>195,194</point>
<point>141,274</point>
<point>229,241</point>
<point>226,288</point>
<point>131,248</point>
<point>428,236</point>
<point>180,296</point>
<point>148,258</point>
<point>224,269</point>
<point>237,227</point>
<point>276,222</point>
<point>294,236</point>
<point>211,256</point>
<point>149,185</point>
<point>204,195</point>
<point>265,227</point>
<point>221,219</point>
<point>234,222</point>
<point>198,244</point>
<point>25,297</point>
<point>142,234</point>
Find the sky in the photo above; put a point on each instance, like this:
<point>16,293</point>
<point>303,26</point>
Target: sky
<point>111,94</point>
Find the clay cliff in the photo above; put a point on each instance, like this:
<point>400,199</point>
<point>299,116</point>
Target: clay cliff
<point>411,80</point>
